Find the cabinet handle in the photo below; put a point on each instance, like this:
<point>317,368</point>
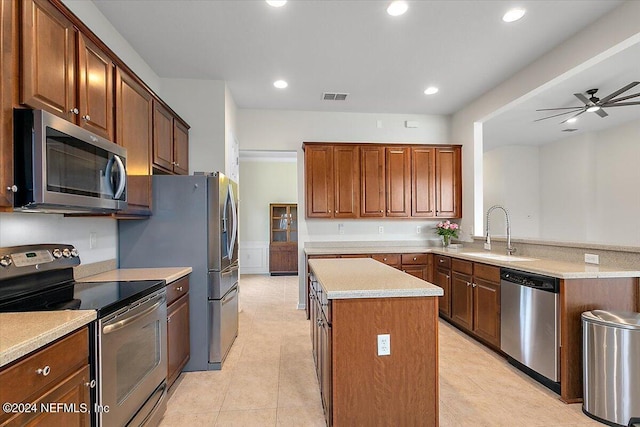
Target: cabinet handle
<point>169,319</point>
<point>177,164</point>
<point>13,188</point>
<point>380,211</point>
<point>468,284</point>
<point>440,261</point>
<point>90,384</point>
<point>74,111</point>
<point>44,371</point>
<point>414,258</point>
<point>329,210</point>
<point>179,289</point>
<point>86,118</point>
<point>447,276</point>
<point>474,285</point>
<point>384,259</point>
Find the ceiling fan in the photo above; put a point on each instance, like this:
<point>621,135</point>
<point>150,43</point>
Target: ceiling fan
<point>593,104</point>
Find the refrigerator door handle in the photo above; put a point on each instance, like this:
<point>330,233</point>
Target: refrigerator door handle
<point>234,219</point>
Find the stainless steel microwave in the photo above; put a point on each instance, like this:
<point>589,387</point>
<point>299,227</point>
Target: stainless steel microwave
<point>61,167</point>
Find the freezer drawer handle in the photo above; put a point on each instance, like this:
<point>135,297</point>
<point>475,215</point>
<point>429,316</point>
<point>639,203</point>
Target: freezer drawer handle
<point>229,297</point>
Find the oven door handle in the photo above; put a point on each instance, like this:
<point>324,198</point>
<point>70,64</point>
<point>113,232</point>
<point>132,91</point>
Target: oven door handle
<point>124,322</point>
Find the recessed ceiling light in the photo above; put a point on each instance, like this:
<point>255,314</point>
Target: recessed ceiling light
<point>397,8</point>
<point>276,3</point>
<point>572,120</point>
<point>280,84</point>
<point>431,90</point>
<point>593,109</point>
<point>513,15</point>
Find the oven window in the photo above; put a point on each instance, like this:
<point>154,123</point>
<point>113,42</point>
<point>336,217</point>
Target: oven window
<point>136,358</point>
<point>76,167</point>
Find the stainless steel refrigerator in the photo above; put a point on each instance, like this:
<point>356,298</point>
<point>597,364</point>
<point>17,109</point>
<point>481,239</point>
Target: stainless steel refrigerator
<point>194,223</point>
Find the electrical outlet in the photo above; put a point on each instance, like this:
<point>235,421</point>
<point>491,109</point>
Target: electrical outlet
<point>93,240</point>
<point>384,345</point>
<point>418,229</point>
<point>591,259</point>
<point>380,229</point>
<point>340,228</point>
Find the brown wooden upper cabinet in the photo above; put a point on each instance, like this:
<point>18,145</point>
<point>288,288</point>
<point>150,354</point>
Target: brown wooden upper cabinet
<point>398,181</point>
<point>6,105</point>
<point>332,177</point>
<point>51,46</point>
<point>170,142</point>
<point>134,115</point>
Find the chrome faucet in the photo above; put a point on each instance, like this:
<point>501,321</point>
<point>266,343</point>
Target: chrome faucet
<point>487,245</point>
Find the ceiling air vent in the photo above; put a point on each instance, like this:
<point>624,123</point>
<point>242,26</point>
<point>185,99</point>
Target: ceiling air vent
<point>333,96</point>
<point>569,130</point>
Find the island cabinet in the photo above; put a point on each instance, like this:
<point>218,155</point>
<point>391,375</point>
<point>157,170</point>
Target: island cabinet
<point>475,299</point>
<point>178,343</point>
<point>63,71</point>
<point>354,302</point>
<point>55,375</point>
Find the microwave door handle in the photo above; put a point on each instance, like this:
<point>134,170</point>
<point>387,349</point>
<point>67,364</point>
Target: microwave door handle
<point>123,178</point>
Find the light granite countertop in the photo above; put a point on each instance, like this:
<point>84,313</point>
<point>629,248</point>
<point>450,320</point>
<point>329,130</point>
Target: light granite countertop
<point>549,267</point>
<point>168,274</point>
<point>367,278</point>
<point>22,333</point>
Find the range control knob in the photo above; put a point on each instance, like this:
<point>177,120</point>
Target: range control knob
<point>57,253</point>
<point>74,252</point>
<point>66,253</point>
<point>5,261</point>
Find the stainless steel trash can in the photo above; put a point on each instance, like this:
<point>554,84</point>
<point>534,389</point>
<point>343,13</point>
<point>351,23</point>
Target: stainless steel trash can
<point>611,366</point>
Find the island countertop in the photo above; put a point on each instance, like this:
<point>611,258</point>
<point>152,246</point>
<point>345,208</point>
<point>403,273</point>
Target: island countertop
<point>367,278</point>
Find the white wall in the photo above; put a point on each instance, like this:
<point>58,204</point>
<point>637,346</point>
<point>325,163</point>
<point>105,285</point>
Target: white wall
<point>231,143</point>
<point>201,103</point>
<point>263,182</point>
<point>32,228</point>
<point>604,37</point>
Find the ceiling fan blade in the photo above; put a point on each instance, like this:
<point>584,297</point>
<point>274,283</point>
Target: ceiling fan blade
<point>612,101</point>
<point>563,108</point>
<point>618,92</point>
<point>583,111</point>
<point>601,113</point>
<point>582,98</point>
<point>622,104</point>
<point>555,115</point>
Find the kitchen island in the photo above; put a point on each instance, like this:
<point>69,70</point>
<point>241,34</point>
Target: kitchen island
<point>375,338</point>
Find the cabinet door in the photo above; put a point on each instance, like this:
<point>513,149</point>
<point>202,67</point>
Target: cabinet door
<point>442,278</point>
<point>318,169</point>
<point>326,388</point>
<point>372,193</point>
<point>423,182</point>
<point>486,310</point>
<point>178,343</point>
<point>95,89</point>
<point>48,59</point>
<point>346,181</point>
<point>419,271</point>
<point>448,182</point>
<point>134,112</point>
<point>283,258</point>
<point>162,137</point>
<point>461,300</point>
<point>180,148</point>
<point>398,181</point>
<point>6,104</point>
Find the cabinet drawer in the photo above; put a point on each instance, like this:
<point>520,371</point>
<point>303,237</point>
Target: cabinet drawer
<point>489,273</point>
<point>414,259</point>
<point>389,259</point>
<point>461,266</point>
<point>176,289</point>
<point>23,380</point>
<point>442,261</point>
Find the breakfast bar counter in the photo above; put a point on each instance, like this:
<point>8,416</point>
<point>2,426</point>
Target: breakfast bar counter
<point>374,331</point>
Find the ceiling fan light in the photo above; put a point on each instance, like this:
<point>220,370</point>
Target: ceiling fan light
<point>397,8</point>
<point>276,3</point>
<point>593,109</point>
<point>431,90</point>
<point>513,15</point>
<point>280,84</point>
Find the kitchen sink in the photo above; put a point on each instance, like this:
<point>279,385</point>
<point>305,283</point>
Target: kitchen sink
<point>498,257</point>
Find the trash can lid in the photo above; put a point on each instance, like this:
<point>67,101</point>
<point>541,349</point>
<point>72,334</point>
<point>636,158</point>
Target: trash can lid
<point>618,319</point>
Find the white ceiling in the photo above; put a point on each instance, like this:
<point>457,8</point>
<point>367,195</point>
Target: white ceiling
<point>383,62</point>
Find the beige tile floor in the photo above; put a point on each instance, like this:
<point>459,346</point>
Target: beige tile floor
<point>268,378</point>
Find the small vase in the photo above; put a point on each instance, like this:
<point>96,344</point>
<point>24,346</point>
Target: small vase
<point>445,241</point>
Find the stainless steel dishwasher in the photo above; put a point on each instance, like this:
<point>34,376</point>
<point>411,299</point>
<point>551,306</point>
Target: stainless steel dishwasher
<point>530,324</point>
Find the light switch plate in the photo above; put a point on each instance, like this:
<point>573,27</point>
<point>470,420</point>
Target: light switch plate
<point>380,229</point>
<point>384,345</point>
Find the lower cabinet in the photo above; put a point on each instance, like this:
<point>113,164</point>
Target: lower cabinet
<point>442,278</point>
<point>52,377</point>
<point>475,299</point>
<point>416,265</point>
<point>283,258</point>
<point>321,342</point>
<point>178,343</point>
